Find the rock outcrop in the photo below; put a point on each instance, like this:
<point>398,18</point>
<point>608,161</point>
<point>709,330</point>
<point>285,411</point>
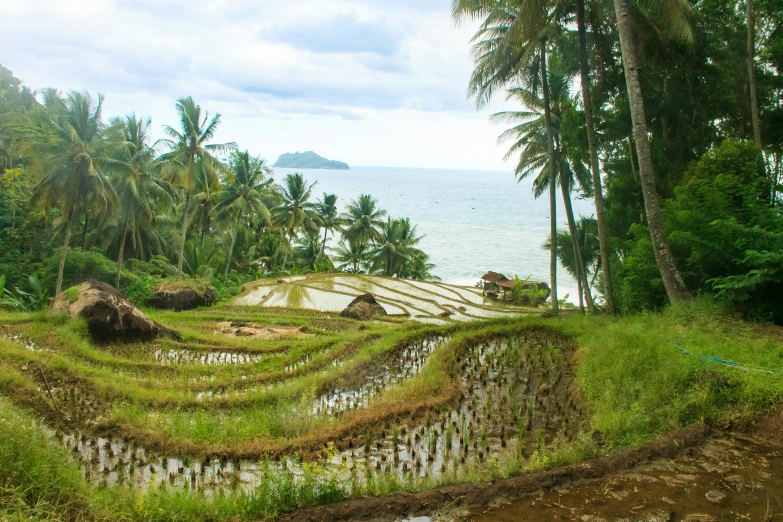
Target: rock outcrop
<point>363,308</point>
<point>182,296</point>
<point>110,317</point>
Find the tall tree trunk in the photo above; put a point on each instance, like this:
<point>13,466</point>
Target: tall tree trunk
<point>754,102</point>
<point>184,235</point>
<point>323,246</point>
<point>84,229</point>
<point>552,180</point>
<point>592,141</point>
<point>581,273</point>
<point>61,269</point>
<point>581,299</point>
<point>121,254</point>
<point>233,241</point>
<point>672,280</point>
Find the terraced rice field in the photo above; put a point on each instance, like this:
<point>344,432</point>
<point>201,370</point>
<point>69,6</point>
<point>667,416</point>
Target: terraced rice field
<point>255,391</point>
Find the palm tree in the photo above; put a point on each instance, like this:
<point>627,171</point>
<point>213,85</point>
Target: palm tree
<point>246,193</point>
<point>328,218</point>
<point>136,185</point>
<point>531,142</point>
<point>672,280</point>
<point>754,102</point>
<point>362,219</point>
<point>307,250</point>
<point>511,45</point>
<point>191,160</point>
<point>592,143</point>
<point>351,256</point>
<point>295,210</point>
<point>74,165</point>
<point>395,252</point>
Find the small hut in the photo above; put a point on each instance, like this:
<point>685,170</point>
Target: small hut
<point>492,283</point>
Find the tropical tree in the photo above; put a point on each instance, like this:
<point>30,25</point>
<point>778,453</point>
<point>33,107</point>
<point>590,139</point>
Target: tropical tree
<point>307,250</point>
<point>678,25</point>
<point>394,253</point>
<point>295,210</point>
<point>73,166</point>
<point>328,216</point>
<point>136,185</point>
<point>511,44</point>
<point>353,257</point>
<point>530,140</point>
<point>362,220</point>
<point>191,160</point>
<point>249,192</point>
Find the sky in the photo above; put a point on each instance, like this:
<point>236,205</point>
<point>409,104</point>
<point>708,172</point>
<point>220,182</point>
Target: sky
<point>369,82</point>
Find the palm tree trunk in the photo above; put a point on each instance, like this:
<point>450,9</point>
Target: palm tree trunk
<point>184,235</point>
<point>754,102</point>
<point>84,229</point>
<point>121,254</point>
<point>323,246</point>
<point>581,273</point>
<point>552,181</point>
<point>233,241</point>
<point>61,269</point>
<point>579,292</point>
<point>592,141</point>
<point>672,280</point>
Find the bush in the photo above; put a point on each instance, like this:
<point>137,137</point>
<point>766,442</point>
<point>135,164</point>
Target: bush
<point>79,266</point>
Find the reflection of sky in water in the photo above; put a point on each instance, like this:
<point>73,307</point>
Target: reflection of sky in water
<point>474,221</point>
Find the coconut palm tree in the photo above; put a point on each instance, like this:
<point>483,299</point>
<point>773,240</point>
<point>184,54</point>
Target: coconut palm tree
<point>295,210</point>
<point>307,249</point>
<point>73,167</point>
<point>328,217</point>
<point>362,219</point>
<point>191,160</point>
<point>395,253</point>
<point>353,257</point>
<point>530,141</point>
<point>678,25</point>
<point>136,185</point>
<point>248,193</point>
<point>511,44</point>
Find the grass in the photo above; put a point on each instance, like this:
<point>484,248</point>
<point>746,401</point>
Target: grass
<point>634,382</point>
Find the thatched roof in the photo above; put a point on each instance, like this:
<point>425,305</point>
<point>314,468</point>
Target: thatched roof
<point>506,284</point>
<point>493,277</point>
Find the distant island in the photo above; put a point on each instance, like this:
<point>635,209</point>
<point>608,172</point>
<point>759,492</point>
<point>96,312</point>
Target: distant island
<point>308,160</point>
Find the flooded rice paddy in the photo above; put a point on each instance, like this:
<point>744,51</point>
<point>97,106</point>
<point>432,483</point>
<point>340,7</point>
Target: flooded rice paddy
<point>514,401</point>
<point>424,301</point>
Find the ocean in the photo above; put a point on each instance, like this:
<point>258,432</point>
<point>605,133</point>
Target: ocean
<point>472,220</point>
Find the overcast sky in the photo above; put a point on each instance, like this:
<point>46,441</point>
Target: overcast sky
<point>369,82</point>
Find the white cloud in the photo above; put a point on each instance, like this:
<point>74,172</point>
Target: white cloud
<point>369,82</point>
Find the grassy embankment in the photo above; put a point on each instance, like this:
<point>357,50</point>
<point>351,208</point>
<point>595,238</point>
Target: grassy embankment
<point>636,383</point>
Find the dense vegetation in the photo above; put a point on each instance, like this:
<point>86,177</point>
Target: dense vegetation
<point>680,108</point>
<point>82,197</point>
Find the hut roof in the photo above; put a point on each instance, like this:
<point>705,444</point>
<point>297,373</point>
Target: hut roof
<point>506,284</point>
<point>494,277</point>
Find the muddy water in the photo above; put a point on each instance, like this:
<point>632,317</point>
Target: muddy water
<point>408,362</point>
<point>731,477</point>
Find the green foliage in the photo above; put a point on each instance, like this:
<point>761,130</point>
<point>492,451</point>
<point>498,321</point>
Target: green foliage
<point>723,232</point>
<point>81,265</point>
<point>142,291</point>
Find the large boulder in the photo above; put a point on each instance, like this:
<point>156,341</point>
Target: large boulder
<point>110,317</point>
<point>182,295</point>
<point>363,308</point>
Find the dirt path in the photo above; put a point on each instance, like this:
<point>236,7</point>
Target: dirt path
<point>728,478</point>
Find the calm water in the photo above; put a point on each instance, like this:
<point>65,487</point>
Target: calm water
<point>473,221</point>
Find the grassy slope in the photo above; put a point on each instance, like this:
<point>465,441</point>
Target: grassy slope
<point>636,382</point>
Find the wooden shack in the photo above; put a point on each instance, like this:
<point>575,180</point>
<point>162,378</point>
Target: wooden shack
<point>492,283</point>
